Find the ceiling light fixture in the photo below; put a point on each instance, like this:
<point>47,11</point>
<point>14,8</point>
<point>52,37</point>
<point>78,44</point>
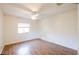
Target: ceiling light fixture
<point>34,16</point>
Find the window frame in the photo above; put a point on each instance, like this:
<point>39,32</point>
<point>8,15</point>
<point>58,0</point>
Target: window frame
<point>23,28</point>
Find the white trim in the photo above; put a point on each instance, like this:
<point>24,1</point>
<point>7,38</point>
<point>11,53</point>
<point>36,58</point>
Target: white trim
<point>1,49</point>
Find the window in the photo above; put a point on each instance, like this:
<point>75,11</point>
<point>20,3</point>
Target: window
<point>23,27</point>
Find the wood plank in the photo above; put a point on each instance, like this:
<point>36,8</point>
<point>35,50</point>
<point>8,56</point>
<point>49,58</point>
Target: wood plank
<point>37,47</point>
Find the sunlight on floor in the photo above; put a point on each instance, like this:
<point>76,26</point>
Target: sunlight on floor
<point>24,50</point>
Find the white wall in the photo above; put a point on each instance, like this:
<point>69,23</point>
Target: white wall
<point>78,26</point>
<point>1,32</point>
<point>11,35</point>
<point>61,29</point>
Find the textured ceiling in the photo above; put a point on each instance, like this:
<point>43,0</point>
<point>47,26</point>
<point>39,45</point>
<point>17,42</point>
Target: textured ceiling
<point>25,10</point>
<point>31,6</point>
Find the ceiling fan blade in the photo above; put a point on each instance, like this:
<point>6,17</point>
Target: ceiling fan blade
<point>59,4</point>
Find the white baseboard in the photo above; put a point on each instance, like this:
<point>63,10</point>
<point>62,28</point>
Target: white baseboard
<point>1,49</point>
<point>19,41</point>
<point>58,43</point>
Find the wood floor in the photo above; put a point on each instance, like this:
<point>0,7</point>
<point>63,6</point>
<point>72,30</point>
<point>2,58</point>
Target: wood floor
<point>37,47</point>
